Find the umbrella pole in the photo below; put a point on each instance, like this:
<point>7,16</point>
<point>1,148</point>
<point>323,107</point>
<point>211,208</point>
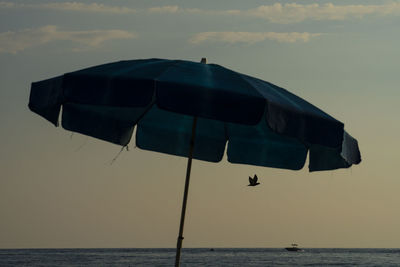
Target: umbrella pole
<point>185,195</point>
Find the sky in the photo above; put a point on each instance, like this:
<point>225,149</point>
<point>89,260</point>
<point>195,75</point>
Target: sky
<point>61,190</point>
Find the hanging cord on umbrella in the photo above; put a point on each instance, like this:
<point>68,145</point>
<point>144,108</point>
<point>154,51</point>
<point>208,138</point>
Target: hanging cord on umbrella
<point>82,145</point>
<point>119,153</point>
<point>136,122</point>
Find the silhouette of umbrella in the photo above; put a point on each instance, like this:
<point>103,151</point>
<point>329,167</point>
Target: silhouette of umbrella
<point>193,110</point>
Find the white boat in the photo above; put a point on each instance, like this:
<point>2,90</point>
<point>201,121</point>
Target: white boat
<point>294,247</point>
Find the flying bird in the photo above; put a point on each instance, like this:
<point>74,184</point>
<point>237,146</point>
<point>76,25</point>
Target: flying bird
<point>253,181</point>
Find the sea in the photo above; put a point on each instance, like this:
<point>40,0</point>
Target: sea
<point>200,257</point>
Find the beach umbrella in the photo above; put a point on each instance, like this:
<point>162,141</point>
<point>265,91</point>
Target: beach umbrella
<point>195,110</point>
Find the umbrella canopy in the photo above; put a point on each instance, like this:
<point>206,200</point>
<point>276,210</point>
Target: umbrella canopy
<point>194,110</point>
<point>261,123</point>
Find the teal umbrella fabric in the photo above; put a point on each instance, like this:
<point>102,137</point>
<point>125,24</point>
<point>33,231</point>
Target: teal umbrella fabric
<point>254,121</point>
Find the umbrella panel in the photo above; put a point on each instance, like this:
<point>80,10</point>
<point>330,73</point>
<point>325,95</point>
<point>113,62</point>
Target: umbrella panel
<point>259,145</point>
<point>169,132</point>
<point>112,124</point>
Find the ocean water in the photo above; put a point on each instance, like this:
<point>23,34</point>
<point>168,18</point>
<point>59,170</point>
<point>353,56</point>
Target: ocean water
<point>199,257</point>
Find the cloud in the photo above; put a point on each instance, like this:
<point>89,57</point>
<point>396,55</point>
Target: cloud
<point>73,6</point>
<point>93,7</point>
<point>165,9</point>
<point>175,9</point>
<point>13,42</point>
<point>275,13</point>
<point>252,37</point>
<point>293,13</point>
<point>7,5</point>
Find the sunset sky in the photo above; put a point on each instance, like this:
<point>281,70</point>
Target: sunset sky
<point>60,190</point>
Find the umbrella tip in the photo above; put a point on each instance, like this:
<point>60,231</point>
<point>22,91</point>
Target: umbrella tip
<point>203,60</point>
